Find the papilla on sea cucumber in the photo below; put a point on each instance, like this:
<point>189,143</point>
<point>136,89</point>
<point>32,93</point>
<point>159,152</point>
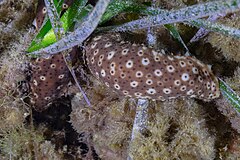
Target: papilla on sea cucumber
<point>138,71</point>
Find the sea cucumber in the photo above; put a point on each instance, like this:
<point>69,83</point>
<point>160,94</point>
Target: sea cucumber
<point>138,71</point>
<point>50,76</point>
<point>42,10</point>
<point>50,79</point>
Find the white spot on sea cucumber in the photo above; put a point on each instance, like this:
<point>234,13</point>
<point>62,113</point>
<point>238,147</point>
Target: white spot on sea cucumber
<point>39,60</point>
<point>44,10</point>
<point>92,60</point>
<point>210,96</point>
<point>199,92</point>
<point>53,65</point>
<point>117,86</point>
<point>103,73</point>
<point>113,65</point>
<point>35,82</point>
<point>93,45</point>
<point>182,63</point>
<point>151,91</point>
<point>125,92</point>
<point>170,68</point>
<point>97,38</point>
<point>213,86</point>
<point>190,62</point>
<point>61,76</point>
<point>191,82</point>
<point>112,72</point>
<point>145,61</point>
<point>108,44</point>
<point>200,79</point>
<point>208,85</point>
<point>166,90</point>
<point>107,84</point>
<point>99,63</point>
<point>140,53</point>
<point>95,52</point>
<point>170,58</point>
<point>123,75</point>
<point>205,72</point>
<point>157,58</point>
<point>158,72</point>
<point>139,74</point>
<point>138,94</point>
<point>134,84</point>
<point>195,70</point>
<point>35,95</point>
<point>190,92</point>
<point>101,57</point>
<point>177,82</point>
<point>125,51</point>
<point>47,98</point>
<point>185,77</point>
<point>129,64</point>
<point>183,88</point>
<point>42,78</point>
<point>149,82</point>
<point>110,55</point>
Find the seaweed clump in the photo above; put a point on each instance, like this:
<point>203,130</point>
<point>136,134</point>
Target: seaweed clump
<point>177,130</point>
<point>24,143</point>
<point>229,46</point>
<point>108,121</point>
<point>13,88</point>
<point>15,18</point>
<point>174,130</point>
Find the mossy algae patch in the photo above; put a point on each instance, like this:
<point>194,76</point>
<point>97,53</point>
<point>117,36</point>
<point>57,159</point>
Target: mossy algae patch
<point>229,46</point>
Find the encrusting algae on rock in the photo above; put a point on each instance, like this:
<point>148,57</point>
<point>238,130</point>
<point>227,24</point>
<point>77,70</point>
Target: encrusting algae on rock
<point>138,71</point>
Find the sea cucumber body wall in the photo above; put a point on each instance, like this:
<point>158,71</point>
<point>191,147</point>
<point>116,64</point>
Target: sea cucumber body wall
<point>138,71</point>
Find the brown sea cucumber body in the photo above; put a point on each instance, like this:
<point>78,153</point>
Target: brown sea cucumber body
<point>50,76</point>
<point>138,71</point>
